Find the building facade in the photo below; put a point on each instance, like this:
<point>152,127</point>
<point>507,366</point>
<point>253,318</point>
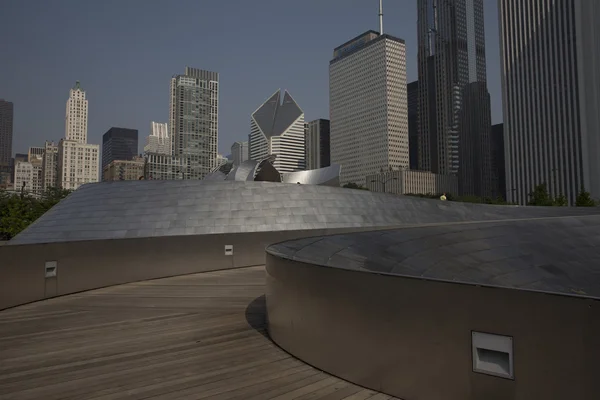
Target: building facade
<point>454,105</point>
<point>318,149</point>
<point>28,174</point>
<point>23,181</point>
<point>475,175</point>
<point>498,161</point>
<point>50,165</point>
<point>35,152</point>
<point>119,144</point>
<point>239,152</point>
<point>551,96</point>
<point>77,160</point>
<point>412,95</point>
<point>412,182</point>
<point>158,141</point>
<point>277,128</point>
<point>6,133</point>
<point>164,167</point>
<point>124,170</point>
<point>35,158</point>
<point>367,103</point>
<point>194,120</point>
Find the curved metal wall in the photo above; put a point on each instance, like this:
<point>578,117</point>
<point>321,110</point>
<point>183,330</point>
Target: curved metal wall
<point>328,176</point>
<point>411,338</point>
<point>137,209</point>
<point>85,265</point>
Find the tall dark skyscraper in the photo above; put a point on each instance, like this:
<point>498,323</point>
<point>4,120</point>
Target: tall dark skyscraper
<point>454,104</point>
<point>6,133</point>
<point>498,168</point>
<point>317,144</point>
<point>119,144</point>
<point>412,94</point>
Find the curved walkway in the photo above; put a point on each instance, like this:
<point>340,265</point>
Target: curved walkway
<point>198,336</point>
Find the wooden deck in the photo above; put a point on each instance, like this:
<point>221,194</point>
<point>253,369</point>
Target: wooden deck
<point>191,337</point>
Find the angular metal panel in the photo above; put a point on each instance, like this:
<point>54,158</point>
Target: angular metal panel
<point>142,209</point>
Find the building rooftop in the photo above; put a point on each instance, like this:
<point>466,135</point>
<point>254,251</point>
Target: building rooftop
<point>557,255</point>
<point>362,41</point>
<point>136,209</point>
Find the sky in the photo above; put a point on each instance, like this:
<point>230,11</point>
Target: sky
<point>124,53</point>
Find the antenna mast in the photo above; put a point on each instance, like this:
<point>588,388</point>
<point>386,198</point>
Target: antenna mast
<point>381,17</point>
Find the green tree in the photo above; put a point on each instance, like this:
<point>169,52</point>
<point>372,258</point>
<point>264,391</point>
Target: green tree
<point>18,211</point>
<point>52,196</point>
<point>560,201</point>
<point>584,199</point>
<point>540,196</point>
<point>352,185</point>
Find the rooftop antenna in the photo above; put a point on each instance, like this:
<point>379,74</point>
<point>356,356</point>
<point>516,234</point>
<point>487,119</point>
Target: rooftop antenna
<point>381,17</point>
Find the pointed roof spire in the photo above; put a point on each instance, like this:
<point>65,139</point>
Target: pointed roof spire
<point>381,17</point>
<point>77,86</point>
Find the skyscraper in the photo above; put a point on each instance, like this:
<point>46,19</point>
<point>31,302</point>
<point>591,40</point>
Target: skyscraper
<point>160,163</point>
<point>551,96</point>
<point>454,105</point>
<point>412,90</point>
<point>77,160</point>
<point>50,165</point>
<point>76,115</point>
<point>318,149</point>
<point>367,103</point>
<point>35,158</point>
<point>194,120</point>
<point>239,152</point>
<point>278,129</point>
<point>498,163</point>
<point>158,141</point>
<point>6,133</point>
<point>119,144</point>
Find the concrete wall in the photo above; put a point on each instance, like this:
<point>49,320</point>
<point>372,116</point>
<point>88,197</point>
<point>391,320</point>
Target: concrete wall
<point>86,265</point>
<point>411,338</point>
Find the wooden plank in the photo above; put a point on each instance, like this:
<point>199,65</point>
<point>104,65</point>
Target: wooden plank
<point>197,336</point>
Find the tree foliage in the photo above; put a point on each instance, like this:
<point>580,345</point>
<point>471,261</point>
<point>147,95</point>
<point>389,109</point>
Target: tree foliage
<point>462,199</point>
<point>18,211</point>
<point>560,201</point>
<point>352,185</point>
<point>540,197</point>
<point>584,199</point>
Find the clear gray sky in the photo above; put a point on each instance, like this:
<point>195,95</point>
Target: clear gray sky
<point>124,52</point>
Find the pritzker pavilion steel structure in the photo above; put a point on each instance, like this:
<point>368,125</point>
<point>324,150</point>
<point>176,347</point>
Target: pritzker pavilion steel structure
<point>415,298</point>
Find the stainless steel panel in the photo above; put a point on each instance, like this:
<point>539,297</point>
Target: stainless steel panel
<point>411,338</point>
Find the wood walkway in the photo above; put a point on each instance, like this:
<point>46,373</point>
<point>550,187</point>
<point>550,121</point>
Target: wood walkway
<point>191,337</point>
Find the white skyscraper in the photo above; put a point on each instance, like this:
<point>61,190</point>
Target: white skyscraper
<point>278,129</point>
<point>159,141</point>
<point>368,106</point>
<point>551,96</point>
<point>77,160</point>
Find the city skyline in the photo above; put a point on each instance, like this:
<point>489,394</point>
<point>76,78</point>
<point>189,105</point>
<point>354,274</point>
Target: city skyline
<point>304,74</point>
